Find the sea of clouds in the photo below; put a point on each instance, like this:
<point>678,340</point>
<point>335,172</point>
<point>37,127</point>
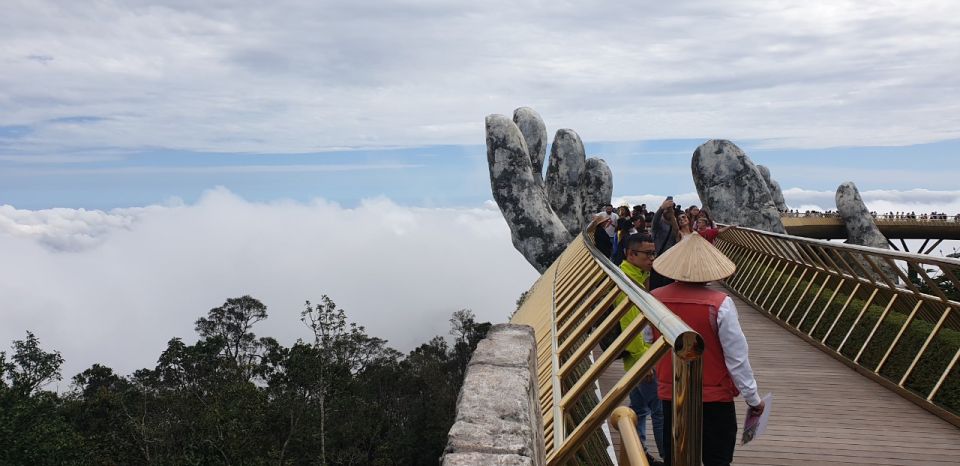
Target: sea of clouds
<point>113,287</point>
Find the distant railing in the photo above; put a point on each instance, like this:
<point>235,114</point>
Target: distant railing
<point>892,316</point>
<point>884,218</point>
<point>566,308</point>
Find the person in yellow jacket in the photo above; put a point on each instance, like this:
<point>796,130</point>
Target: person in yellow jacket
<point>639,253</point>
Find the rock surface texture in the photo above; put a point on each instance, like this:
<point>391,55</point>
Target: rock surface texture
<point>861,229</point>
<point>498,418</point>
<point>543,216</point>
<point>732,187</point>
<point>774,188</point>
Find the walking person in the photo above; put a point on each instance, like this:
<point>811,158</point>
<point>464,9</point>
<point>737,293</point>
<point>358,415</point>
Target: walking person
<point>693,262</point>
<point>639,253</point>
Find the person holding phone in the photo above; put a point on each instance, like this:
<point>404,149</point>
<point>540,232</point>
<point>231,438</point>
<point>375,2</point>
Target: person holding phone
<point>666,233</point>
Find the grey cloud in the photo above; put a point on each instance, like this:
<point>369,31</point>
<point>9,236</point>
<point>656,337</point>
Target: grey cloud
<point>303,76</point>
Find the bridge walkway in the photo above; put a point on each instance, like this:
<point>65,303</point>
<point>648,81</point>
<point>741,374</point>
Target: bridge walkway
<point>823,411</point>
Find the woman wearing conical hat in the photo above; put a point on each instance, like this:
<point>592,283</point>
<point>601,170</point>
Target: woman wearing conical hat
<point>692,263</point>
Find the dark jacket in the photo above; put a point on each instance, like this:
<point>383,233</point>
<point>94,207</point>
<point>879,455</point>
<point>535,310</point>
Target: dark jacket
<point>603,241</point>
<point>664,236</point>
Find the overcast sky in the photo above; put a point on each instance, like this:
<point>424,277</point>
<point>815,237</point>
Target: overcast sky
<point>157,158</point>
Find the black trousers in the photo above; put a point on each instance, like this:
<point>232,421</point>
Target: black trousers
<point>719,432</point>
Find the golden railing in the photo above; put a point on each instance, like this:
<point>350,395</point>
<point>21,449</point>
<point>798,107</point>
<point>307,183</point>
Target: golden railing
<point>566,308</point>
<point>892,316</point>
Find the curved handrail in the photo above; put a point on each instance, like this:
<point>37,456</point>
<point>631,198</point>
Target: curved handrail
<point>887,314</point>
<point>573,305</point>
<point>674,329</point>
<point>930,260</point>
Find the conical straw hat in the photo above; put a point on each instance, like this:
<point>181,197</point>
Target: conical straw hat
<point>694,260</point>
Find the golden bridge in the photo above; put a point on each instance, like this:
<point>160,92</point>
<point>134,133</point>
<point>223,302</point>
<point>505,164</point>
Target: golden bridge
<point>859,346</point>
<point>832,227</point>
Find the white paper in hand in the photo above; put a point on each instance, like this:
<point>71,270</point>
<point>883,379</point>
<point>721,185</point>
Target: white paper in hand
<point>755,424</point>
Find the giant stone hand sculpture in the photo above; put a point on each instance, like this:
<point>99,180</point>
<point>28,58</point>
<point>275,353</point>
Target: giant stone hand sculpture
<point>543,215</point>
<point>732,187</point>
<point>774,188</point>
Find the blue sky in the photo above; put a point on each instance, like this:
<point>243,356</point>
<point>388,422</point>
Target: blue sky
<point>442,175</point>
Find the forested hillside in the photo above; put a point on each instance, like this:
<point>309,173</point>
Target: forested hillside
<point>342,398</point>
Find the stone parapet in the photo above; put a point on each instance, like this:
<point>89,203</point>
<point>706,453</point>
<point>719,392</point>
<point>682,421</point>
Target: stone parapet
<point>498,418</point>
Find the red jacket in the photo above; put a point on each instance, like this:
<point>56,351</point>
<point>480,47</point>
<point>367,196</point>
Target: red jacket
<point>697,306</point>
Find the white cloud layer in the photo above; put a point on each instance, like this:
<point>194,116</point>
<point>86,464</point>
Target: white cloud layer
<point>879,200</point>
<point>294,75</point>
<point>113,287</point>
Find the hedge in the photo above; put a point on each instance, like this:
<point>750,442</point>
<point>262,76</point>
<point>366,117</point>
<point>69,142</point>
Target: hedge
<point>930,366</point>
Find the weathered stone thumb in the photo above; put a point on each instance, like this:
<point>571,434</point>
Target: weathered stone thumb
<point>535,229</point>
<point>596,186</point>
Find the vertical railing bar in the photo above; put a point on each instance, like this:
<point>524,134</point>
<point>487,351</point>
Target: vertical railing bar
<point>840,314</point>
<point>740,255</point>
<point>950,366</point>
<point>815,298</point>
<point>846,265</point>
<point>951,276</point>
<point>933,285</point>
<point>815,257</point>
<point>687,441</point>
<point>581,275</point>
<point>578,290</point>
<point>740,277</point>
<point>833,265</point>
<point>804,256</point>
<point>597,307</point>
<point>755,269</point>
<point>857,261</point>
<point>800,299</point>
<point>756,278</point>
<point>571,274</point>
<point>558,431</point>
<point>880,273</point>
<point>749,262</point>
<point>876,325</point>
<point>786,300</point>
<point>766,298</point>
<point>896,340</point>
<point>826,306</point>
<point>758,292</point>
<point>857,320</point>
<point>926,343</point>
<point>906,280</point>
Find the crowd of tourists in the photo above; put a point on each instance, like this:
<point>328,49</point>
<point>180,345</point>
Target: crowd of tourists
<point>669,252</point>
<point>884,216</point>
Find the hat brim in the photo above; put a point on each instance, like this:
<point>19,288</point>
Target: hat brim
<point>694,260</point>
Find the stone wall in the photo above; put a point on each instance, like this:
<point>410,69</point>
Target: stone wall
<point>498,417</point>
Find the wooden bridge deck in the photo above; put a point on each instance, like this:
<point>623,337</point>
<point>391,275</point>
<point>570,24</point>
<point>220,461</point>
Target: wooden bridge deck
<point>824,412</point>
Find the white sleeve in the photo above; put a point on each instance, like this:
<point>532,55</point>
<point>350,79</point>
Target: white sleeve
<point>735,351</point>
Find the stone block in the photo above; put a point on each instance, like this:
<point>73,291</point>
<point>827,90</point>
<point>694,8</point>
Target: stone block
<point>491,459</point>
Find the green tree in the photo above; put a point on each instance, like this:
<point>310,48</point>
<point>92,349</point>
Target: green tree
<point>32,428</point>
<point>232,324</point>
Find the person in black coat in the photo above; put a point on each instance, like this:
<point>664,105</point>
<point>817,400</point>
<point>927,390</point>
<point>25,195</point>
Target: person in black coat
<point>600,237</point>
